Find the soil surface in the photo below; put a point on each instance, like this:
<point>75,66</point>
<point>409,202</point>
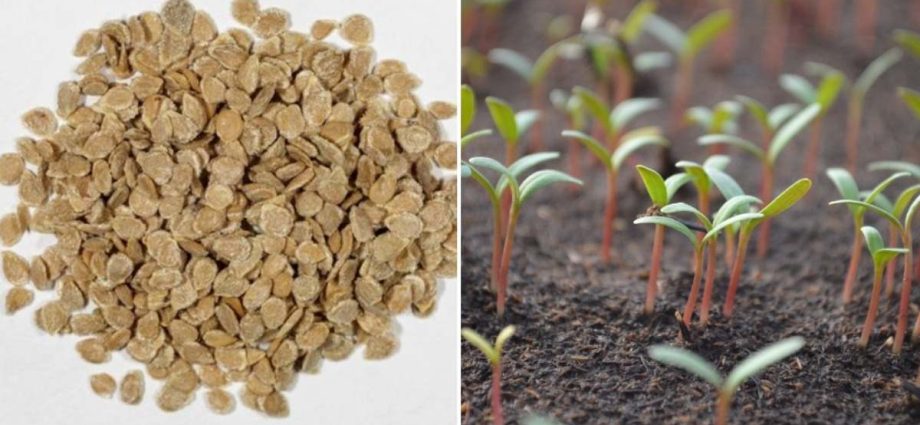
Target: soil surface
<point>579,354</point>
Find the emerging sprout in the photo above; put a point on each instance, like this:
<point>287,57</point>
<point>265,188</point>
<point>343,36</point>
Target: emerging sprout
<point>520,193</point>
<point>891,213</point>
<point>726,217</point>
<point>881,256</point>
<point>493,354</point>
<point>467,115</point>
<point>857,97</point>
<point>571,106</point>
<point>824,95</point>
<point>614,157</point>
<point>534,73</point>
<point>728,386</point>
<point>687,46</point>
<point>768,157</point>
<point>494,192</point>
<point>511,126</point>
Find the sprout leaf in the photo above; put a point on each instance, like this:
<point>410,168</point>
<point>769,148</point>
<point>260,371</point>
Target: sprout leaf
<point>654,185</point>
<point>760,360</point>
<point>686,360</point>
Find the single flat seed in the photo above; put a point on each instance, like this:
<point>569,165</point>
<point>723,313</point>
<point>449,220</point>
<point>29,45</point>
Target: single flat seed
<point>132,387</point>
<point>103,385</point>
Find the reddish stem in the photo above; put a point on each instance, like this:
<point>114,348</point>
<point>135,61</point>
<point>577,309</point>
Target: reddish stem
<point>873,308</point>
<point>498,416</point>
<point>855,255</point>
<point>574,156</point>
<point>496,247</point>
<point>774,47</point>
<point>766,195</point>
<point>510,157</point>
<point>610,213</point>
<point>651,288</point>
<point>506,264</point>
<point>694,287</point>
<point>737,268</point>
<point>468,22</point>
<point>827,16</point>
<point>904,306</point>
<point>710,278</point>
<point>814,149</point>
<point>729,249</point>
<point>892,266</point>
<point>536,100</point>
<point>623,85</point>
<point>682,92</point>
<point>723,405</point>
<point>724,50</point>
<point>854,126</point>
<point>866,17</point>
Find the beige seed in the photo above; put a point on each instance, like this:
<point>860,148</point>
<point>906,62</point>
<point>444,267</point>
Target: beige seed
<point>178,15</point>
<point>245,11</point>
<point>275,405</point>
<point>92,350</point>
<point>87,44</point>
<point>380,346</point>
<point>103,385</point>
<point>17,299</point>
<point>11,229</point>
<point>40,121</point>
<point>290,122</point>
<point>171,399</point>
<point>229,125</point>
<point>357,30</point>
<point>15,268</point>
<point>270,22</point>
<point>220,402</point>
<point>322,28</point>
<point>11,168</point>
<point>132,387</point>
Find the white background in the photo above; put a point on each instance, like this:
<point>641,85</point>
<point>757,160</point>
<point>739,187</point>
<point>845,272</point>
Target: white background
<point>43,380</point>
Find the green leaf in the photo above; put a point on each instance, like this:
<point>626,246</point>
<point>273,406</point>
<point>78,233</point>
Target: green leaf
<point>911,98</point>
<point>904,166</point>
<point>717,161</point>
<point>735,219</point>
<point>667,33</point>
<point>486,162</point>
<point>727,186</point>
<point>903,201</point>
<point>543,64</point>
<point>676,181</point>
<point>523,164</point>
<point>592,144</point>
<point>467,108</point>
<point>704,32</point>
<point>845,184</point>
<point>781,113</point>
<point>479,342</point>
<point>596,107</point>
<point>789,130</point>
<point>761,360</point>
<point>881,187</point>
<point>654,185</point>
<point>881,255</point>
<point>634,22</point>
<point>467,170</point>
<point>757,110</point>
<point>875,70</point>
<point>699,115</point>
<point>886,255</point>
<point>632,144</point>
<point>541,179</point>
<point>686,360</point>
<point>731,140</point>
<point>909,41</point>
<point>865,206</point>
<point>650,61</point>
<point>698,174</point>
<point>911,213</point>
<point>884,203</point>
<point>681,207</point>
<point>503,338</point>
<point>512,60</point>
<point>504,119</point>
<point>787,199</point>
<point>524,120</point>
<point>734,206</point>
<point>629,109</point>
<point>465,140</point>
<point>828,90</point>
<point>798,87</point>
<point>723,117</point>
<point>670,223</point>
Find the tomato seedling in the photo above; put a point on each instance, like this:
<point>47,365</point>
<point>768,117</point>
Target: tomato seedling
<point>493,353</point>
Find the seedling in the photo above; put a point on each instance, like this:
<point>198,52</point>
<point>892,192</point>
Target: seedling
<point>881,256</point>
<point>493,353</point>
<point>900,228</point>
<point>534,73</point>
<point>774,42</point>
<point>728,386</point>
<point>824,95</point>
<point>467,115</point>
<point>520,193</point>
<point>768,157</point>
<point>614,122</point>
<point>687,46</point>
<point>494,192</point>
<point>511,126</point>
<point>850,192</point>
<point>721,119</point>
<point>474,64</point>
<point>727,216</point>
<point>613,160</point>
<point>857,96</point>
<point>571,106</point>
<point>785,200</point>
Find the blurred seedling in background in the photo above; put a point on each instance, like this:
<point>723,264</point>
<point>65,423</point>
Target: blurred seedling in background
<point>824,95</point>
<point>467,116</point>
<point>511,127</point>
<point>721,119</point>
<point>881,256</point>
<point>493,353</point>
<point>726,387</point>
<point>570,105</point>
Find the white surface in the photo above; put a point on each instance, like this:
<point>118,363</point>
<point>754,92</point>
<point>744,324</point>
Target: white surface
<point>42,379</point>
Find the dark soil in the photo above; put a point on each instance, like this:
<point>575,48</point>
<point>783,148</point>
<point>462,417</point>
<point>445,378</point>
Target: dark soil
<point>580,351</point>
